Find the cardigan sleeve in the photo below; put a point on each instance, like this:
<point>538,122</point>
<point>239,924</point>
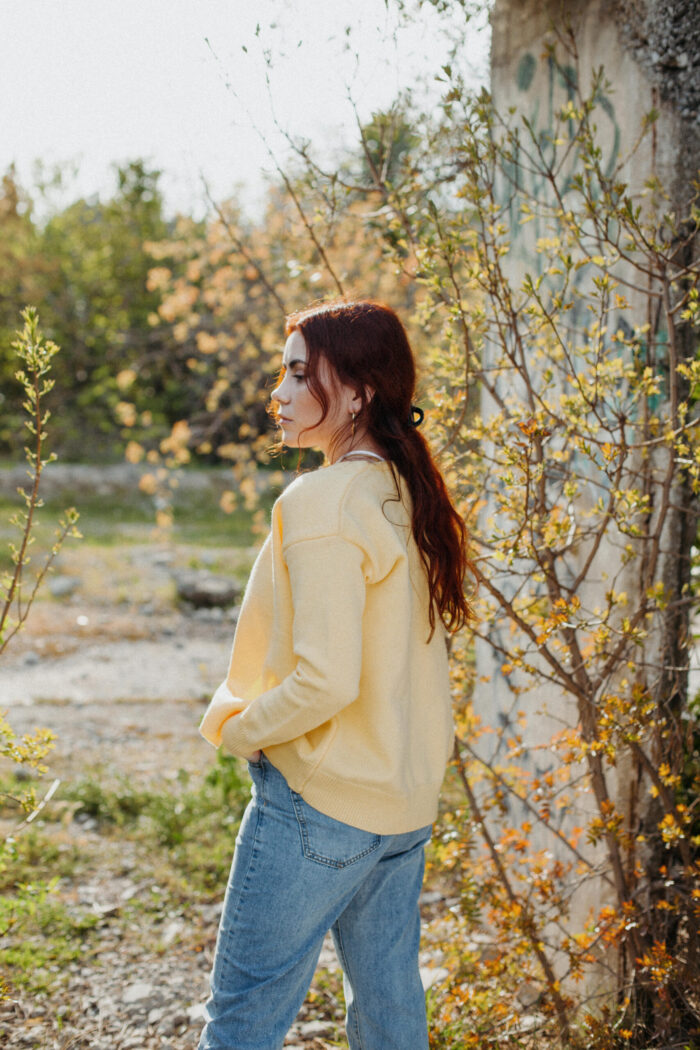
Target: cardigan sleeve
<point>327,581</point>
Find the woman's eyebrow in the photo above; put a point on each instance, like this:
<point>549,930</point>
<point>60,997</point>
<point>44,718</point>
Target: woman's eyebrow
<point>294,363</point>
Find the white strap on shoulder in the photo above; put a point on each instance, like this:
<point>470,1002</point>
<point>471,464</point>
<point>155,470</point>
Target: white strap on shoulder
<point>361,452</point>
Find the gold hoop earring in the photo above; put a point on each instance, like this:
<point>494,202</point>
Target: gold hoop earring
<point>353,423</point>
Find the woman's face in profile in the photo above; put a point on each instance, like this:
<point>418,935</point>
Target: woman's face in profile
<point>297,410</point>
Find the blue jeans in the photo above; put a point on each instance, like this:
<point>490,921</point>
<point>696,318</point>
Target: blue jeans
<point>296,874</point>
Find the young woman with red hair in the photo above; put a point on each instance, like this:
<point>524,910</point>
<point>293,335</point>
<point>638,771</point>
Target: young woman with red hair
<point>338,696</point>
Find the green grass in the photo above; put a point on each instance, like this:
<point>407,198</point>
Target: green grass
<point>106,522</point>
<point>38,855</point>
<point>129,516</point>
<point>191,827</point>
<point>184,831</point>
<point>40,935</point>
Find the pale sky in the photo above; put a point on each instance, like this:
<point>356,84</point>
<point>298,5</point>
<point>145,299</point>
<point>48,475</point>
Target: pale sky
<point>99,81</point>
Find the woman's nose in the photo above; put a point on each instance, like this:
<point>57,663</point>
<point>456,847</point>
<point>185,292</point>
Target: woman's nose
<point>277,395</point>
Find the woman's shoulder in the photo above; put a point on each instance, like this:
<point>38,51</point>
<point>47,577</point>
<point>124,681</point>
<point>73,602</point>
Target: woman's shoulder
<point>322,502</point>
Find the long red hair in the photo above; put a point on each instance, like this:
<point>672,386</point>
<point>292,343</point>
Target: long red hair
<point>367,348</point>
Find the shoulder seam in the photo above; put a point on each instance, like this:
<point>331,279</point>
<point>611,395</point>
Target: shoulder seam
<point>320,539</point>
<point>345,490</point>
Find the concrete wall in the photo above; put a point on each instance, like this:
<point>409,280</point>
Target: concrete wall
<point>650,52</point>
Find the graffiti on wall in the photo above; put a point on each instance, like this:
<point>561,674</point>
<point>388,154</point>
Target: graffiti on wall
<point>544,87</point>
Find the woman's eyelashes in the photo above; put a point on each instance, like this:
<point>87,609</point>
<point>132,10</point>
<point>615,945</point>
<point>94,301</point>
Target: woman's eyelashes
<point>300,376</point>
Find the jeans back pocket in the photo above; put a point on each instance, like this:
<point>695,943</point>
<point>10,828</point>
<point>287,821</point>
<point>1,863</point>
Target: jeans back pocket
<point>329,841</point>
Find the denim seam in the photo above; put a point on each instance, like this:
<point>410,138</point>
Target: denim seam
<point>319,858</point>
<point>244,887</point>
<point>346,970</point>
<point>253,857</point>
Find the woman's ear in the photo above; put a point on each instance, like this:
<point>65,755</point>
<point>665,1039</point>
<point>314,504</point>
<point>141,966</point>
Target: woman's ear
<point>357,400</point>
<point>355,404</point>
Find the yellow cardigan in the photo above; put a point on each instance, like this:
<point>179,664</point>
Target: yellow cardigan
<point>332,673</point>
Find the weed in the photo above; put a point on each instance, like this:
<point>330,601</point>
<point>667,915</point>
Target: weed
<point>40,935</point>
<point>37,855</point>
<point>195,825</point>
<point>120,802</point>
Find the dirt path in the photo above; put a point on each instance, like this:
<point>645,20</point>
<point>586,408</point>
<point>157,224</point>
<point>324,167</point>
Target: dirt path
<point>132,703</point>
<point>116,661</point>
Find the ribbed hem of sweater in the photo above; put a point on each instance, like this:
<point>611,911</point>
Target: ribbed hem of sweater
<point>360,805</point>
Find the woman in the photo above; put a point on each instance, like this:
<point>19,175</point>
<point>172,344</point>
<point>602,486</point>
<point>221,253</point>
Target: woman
<point>338,695</point>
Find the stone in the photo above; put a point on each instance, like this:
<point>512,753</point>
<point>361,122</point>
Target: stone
<point>431,975</point>
<point>63,586</point>
<point>528,1022</point>
<point>211,913</point>
<point>105,908</point>
<point>195,1012</point>
<point>316,1029</point>
<point>204,590</point>
<point>26,1038</point>
<point>86,822</point>
<point>134,993</point>
<point>528,994</point>
<point>171,1023</point>
<point>207,615</point>
<point>170,931</point>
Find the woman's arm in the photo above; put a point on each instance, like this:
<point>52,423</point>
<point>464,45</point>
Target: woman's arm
<point>327,581</point>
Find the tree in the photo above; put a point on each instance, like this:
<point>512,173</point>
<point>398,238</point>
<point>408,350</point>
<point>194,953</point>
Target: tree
<point>100,308</point>
<point>17,591</point>
<point>88,266</point>
<point>21,272</point>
